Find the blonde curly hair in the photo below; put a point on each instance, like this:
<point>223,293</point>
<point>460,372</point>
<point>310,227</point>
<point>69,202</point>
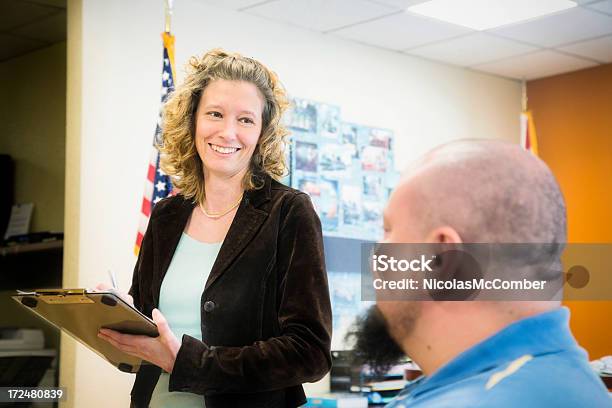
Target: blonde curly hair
<point>179,157</point>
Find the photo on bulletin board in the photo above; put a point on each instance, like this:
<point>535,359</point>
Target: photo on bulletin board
<point>328,204</point>
<point>373,187</point>
<point>349,138</point>
<point>329,121</point>
<point>351,205</point>
<point>302,115</point>
<point>334,160</point>
<point>374,158</point>
<point>306,156</point>
<point>372,214</point>
<point>375,137</point>
<point>310,185</point>
<point>380,138</point>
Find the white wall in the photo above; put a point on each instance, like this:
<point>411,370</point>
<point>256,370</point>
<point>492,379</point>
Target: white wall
<point>423,102</point>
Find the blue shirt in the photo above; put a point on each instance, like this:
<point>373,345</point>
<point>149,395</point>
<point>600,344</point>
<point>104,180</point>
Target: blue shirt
<point>179,301</point>
<point>534,362</point>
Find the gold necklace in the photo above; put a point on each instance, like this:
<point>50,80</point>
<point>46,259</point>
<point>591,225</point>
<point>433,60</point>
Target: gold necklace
<point>222,213</point>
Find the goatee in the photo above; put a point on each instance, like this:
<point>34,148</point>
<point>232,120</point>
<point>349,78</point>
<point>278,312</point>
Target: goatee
<point>373,343</point>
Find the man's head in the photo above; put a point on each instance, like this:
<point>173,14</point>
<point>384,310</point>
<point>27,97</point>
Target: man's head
<point>484,191</point>
<point>470,191</point>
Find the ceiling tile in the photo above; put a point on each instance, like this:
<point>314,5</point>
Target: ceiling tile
<point>12,46</point>
<point>471,49</point>
<point>603,6</point>
<point>599,49</point>
<point>321,15</point>
<point>401,4</point>
<point>50,29</point>
<point>401,31</point>
<point>17,13</point>
<point>233,4</point>
<point>560,28</point>
<point>535,65</point>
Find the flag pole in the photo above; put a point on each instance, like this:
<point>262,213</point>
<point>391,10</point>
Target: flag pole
<point>167,35</point>
<point>158,185</point>
<point>168,14</point>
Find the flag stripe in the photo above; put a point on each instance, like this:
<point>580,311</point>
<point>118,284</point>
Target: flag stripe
<point>148,190</point>
<point>529,140</point>
<point>139,238</point>
<point>146,207</point>
<point>151,174</point>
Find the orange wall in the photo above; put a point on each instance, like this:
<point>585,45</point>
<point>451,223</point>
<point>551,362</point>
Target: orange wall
<point>573,119</point>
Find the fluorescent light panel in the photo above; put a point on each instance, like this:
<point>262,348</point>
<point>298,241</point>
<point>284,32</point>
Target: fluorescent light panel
<point>486,14</point>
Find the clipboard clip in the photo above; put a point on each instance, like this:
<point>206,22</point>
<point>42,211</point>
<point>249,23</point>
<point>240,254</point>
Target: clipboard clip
<point>61,292</point>
<point>59,296</point>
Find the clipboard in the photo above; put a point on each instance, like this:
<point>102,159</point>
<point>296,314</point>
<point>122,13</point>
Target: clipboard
<point>81,313</point>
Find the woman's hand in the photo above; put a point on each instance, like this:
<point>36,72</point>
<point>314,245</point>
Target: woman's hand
<point>160,350</point>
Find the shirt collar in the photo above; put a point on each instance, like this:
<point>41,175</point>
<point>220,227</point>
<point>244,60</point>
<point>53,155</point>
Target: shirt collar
<point>544,333</point>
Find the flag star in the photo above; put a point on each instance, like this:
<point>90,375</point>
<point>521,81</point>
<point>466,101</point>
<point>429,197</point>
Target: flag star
<point>157,200</point>
<point>164,91</point>
<point>165,76</point>
<point>160,172</point>
<point>160,186</point>
<point>166,61</point>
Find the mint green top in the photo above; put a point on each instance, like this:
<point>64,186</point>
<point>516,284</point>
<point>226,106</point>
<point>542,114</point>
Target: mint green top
<point>179,302</point>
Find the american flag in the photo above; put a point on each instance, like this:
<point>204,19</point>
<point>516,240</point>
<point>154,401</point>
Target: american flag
<point>529,140</point>
<point>157,185</point>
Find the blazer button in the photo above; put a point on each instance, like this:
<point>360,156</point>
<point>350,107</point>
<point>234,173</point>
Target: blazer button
<point>209,306</point>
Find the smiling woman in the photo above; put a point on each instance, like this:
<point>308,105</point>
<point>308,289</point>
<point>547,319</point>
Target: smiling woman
<point>231,268</point>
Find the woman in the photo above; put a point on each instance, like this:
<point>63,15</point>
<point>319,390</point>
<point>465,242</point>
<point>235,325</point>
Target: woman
<point>235,261</point>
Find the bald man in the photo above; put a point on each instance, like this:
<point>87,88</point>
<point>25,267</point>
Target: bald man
<point>476,353</point>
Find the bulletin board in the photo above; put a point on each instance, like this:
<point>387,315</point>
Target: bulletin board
<point>347,169</point>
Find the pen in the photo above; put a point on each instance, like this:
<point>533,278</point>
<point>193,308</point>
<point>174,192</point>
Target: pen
<point>113,279</point>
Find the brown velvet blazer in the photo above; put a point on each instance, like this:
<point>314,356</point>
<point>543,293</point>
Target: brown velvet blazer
<point>265,308</point>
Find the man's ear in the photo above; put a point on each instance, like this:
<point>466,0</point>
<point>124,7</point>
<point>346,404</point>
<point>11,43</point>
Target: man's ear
<point>445,240</point>
<point>452,262</point>
<point>444,235</point>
